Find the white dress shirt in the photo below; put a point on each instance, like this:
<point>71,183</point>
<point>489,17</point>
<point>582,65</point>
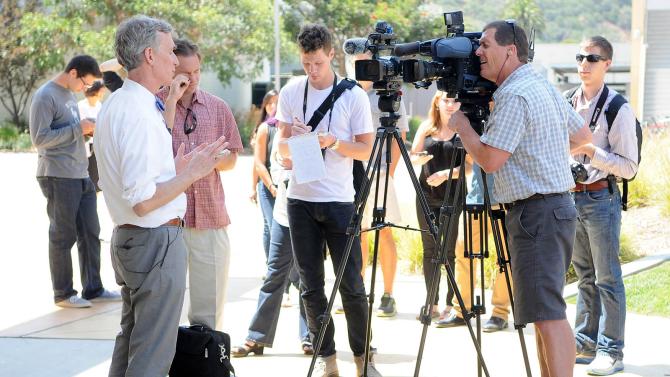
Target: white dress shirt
<point>134,152</point>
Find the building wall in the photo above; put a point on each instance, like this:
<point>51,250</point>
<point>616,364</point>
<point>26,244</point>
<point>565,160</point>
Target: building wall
<point>657,70</point>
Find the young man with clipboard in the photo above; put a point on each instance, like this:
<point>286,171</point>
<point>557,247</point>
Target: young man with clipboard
<point>319,211</point>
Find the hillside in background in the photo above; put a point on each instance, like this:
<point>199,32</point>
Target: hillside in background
<point>565,20</point>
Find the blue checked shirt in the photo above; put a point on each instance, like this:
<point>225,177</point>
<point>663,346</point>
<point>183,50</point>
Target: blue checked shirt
<point>532,121</point>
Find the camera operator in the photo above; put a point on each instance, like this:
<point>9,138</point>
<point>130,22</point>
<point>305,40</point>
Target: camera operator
<point>526,145</point>
<point>601,300</point>
<point>319,212</point>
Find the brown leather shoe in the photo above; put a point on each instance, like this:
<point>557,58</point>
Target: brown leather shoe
<point>245,349</point>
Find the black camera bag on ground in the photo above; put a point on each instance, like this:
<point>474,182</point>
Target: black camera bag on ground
<point>201,352</point>
<point>610,115</point>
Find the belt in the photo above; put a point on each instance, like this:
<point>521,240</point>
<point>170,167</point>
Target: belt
<point>173,222</point>
<point>595,186</point>
<point>508,206</point>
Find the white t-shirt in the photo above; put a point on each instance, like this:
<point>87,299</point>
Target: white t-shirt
<point>351,116</point>
<point>86,111</point>
<point>279,176</point>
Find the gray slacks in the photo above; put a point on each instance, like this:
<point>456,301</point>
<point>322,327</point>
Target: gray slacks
<point>150,266</point>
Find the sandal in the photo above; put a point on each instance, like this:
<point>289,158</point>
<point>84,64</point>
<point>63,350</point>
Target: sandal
<point>247,348</point>
<point>307,347</point>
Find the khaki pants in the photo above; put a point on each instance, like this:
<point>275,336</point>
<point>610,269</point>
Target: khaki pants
<point>208,264</point>
<point>500,298</point>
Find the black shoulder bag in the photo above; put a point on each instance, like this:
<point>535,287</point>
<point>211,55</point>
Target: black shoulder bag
<point>201,352</point>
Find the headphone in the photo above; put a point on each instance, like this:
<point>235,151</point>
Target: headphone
<point>509,52</point>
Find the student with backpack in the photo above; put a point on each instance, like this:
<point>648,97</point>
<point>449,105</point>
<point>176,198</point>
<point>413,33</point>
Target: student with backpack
<point>614,153</point>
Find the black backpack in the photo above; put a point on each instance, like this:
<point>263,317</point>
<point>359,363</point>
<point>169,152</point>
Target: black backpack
<point>201,352</point>
<point>610,115</point>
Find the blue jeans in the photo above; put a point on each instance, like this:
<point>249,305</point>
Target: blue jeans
<point>601,302</point>
<point>313,225</point>
<point>73,217</point>
<point>264,323</point>
<point>267,202</point>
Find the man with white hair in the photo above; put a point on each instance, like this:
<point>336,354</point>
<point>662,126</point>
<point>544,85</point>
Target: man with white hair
<point>143,189</point>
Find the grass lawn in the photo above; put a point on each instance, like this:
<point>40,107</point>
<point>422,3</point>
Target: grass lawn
<point>645,292</point>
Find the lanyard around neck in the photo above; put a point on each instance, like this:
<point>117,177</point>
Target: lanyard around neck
<point>599,107</point>
<point>304,102</point>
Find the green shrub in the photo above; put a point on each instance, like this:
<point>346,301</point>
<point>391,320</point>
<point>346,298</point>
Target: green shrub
<point>410,249</point>
<point>651,184</point>
<point>414,123</point>
<point>11,139</point>
<point>246,122</point>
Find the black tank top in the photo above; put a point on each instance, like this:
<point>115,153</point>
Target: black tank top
<point>272,130</point>
<point>442,151</point>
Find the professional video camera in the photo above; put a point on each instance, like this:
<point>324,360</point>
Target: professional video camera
<point>453,65</point>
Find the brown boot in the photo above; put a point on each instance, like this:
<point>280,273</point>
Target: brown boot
<point>326,366</point>
<point>360,364</point>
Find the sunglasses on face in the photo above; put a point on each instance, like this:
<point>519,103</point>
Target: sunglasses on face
<point>189,127</point>
<point>591,58</point>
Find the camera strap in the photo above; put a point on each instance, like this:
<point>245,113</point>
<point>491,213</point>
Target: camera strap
<point>599,105</point>
<point>327,104</point>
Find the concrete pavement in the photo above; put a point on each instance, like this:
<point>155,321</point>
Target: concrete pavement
<point>39,339</point>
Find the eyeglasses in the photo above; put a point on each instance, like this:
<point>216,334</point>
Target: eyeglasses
<point>591,58</point>
<point>189,128</point>
<point>86,86</point>
<point>511,23</point>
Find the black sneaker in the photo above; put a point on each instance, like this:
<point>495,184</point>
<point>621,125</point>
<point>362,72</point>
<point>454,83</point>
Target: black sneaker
<point>387,306</point>
<point>495,324</point>
<point>452,321</point>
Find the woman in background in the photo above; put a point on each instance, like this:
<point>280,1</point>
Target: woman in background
<point>89,108</point>
<point>433,149</point>
<point>261,141</point>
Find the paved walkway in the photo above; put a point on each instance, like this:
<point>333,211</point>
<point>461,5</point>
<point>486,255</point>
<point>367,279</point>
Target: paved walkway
<point>39,339</point>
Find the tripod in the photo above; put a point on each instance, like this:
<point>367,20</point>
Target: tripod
<point>449,215</point>
<point>386,133</point>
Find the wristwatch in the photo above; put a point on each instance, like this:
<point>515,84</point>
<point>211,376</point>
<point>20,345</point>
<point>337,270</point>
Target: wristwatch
<point>335,145</point>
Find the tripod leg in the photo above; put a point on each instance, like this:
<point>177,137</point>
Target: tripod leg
<point>446,237</point>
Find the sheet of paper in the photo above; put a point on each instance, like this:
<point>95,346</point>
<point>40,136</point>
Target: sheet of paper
<point>308,164</point>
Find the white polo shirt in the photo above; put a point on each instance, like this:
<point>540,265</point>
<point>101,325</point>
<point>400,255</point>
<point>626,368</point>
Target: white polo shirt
<point>134,152</point>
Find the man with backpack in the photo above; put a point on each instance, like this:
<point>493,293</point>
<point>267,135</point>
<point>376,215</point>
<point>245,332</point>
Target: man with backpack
<point>319,211</point>
<point>614,153</point>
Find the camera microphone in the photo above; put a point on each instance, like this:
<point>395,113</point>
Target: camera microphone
<point>355,46</point>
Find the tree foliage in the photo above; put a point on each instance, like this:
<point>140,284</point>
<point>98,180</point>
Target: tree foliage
<point>234,35</point>
<point>526,14</point>
<point>31,45</point>
<point>356,18</point>
<point>37,37</point>
<point>564,20</point>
